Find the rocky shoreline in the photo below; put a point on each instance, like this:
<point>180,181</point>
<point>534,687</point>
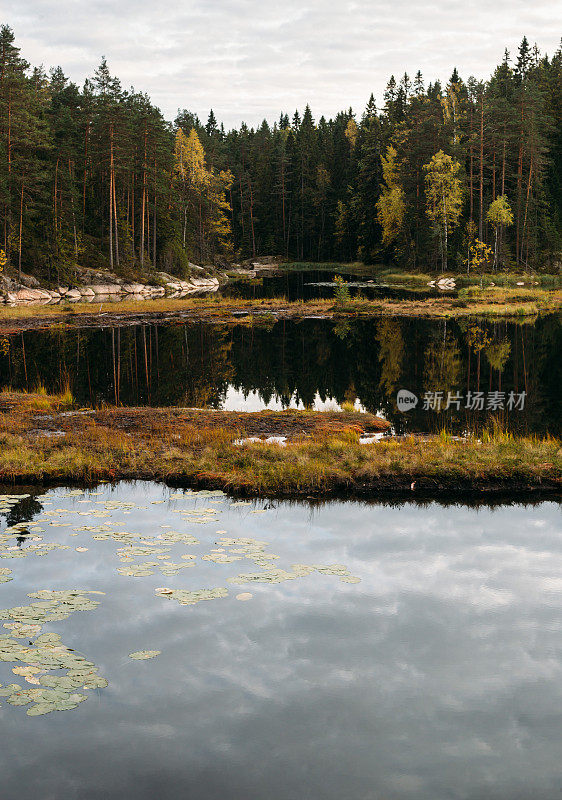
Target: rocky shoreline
<point>103,288</point>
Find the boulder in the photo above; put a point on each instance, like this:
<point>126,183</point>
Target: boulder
<point>30,295</point>
<point>28,281</point>
<point>133,288</point>
<point>73,295</point>
<point>109,288</point>
<point>201,282</point>
<point>85,291</point>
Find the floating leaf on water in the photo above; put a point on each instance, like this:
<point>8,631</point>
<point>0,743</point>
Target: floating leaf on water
<point>272,576</point>
<point>23,671</point>
<point>39,709</point>
<point>143,655</point>
<point>220,558</point>
<point>187,598</point>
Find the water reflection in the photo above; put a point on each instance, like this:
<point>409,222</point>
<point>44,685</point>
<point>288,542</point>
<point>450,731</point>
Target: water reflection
<point>438,676</point>
<point>314,284</point>
<point>305,364</point>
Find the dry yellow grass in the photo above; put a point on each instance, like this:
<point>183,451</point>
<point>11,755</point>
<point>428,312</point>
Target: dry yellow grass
<point>145,443</point>
<point>492,301</point>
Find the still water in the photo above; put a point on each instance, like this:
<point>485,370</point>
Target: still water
<point>349,650</point>
<point>315,363</point>
<point>314,284</point>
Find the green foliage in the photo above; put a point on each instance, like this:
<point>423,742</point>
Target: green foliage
<point>444,197</point>
<point>341,290</point>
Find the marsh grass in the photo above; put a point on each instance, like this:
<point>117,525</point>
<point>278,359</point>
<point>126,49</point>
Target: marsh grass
<point>491,301</point>
<point>130,443</point>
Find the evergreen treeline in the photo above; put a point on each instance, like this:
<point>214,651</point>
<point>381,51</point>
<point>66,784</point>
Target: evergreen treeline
<point>467,175</point>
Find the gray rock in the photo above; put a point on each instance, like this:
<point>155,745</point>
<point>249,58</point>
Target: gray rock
<point>105,288</point>
<point>133,288</point>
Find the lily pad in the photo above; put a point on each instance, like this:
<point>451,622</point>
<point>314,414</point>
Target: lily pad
<point>143,655</point>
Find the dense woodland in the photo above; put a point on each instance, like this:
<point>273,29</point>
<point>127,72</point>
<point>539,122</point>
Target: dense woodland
<point>462,176</point>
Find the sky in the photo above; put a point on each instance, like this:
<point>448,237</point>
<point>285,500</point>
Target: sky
<point>251,59</point>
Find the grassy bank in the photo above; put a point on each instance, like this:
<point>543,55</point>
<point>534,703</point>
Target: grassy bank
<point>519,302</point>
<point>323,452</point>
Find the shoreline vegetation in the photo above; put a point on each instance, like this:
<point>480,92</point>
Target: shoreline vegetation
<point>497,301</point>
<point>41,442</point>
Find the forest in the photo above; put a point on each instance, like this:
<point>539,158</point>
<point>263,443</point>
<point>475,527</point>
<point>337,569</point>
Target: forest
<point>463,176</point>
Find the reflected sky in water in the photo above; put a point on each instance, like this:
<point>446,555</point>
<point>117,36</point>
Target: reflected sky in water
<point>438,676</point>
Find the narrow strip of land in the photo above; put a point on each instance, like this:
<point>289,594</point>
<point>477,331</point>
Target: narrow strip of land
<point>494,302</point>
<point>40,440</point>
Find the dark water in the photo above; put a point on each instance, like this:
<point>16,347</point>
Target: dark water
<point>312,363</point>
<point>436,676</point>
<point>314,284</point>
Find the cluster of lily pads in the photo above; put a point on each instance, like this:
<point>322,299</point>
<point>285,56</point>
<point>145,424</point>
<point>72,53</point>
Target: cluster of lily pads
<point>56,672</point>
<point>8,501</point>
<point>58,676</point>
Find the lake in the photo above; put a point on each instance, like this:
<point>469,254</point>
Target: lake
<point>315,363</point>
<point>348,649</point>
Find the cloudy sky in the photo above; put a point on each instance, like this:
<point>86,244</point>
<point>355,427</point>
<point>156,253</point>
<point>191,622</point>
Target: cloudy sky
<point>249,59</point>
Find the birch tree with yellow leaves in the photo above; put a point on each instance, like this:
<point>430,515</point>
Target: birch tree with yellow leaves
<point>443,192</point>
<point>201,193</point>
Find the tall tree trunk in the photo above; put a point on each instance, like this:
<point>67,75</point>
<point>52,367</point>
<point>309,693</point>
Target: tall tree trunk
<point>71,179</point>
<point>143,210</point>
<point>252,217</point>
<point>154,233</point>
<point>115,221</point>
<point>481,219</point>
<point>471,175</point>
<point>527,207</point>
<point>283,207</point>
<point>86,136</point>
<point>111,196</point>
<point>21,231</point>
<point>519,185</point>
<point>444,261</point>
